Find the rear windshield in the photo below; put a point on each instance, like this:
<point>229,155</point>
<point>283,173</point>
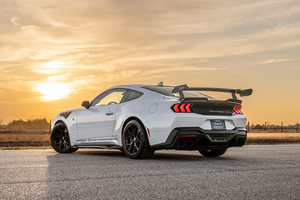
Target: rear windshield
<point>167,91</point>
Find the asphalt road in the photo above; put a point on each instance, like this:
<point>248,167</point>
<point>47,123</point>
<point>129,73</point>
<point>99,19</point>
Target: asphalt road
<point>250,172</point>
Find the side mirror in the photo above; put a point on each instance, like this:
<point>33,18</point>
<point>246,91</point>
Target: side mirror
<point>86,104</point>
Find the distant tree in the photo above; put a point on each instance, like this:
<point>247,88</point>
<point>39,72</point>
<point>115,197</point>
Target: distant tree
<point>258,126</point>
<point>31,124</point>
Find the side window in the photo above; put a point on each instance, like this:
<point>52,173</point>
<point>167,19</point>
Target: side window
<point>110,97</point>
<point>131,95</point>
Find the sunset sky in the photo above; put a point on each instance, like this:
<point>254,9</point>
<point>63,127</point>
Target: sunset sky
<point>55,54</point>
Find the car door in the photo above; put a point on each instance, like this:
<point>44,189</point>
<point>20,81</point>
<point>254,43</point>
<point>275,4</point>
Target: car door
<point>96,124</point>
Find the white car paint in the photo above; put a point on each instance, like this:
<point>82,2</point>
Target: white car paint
<point>93,128</point>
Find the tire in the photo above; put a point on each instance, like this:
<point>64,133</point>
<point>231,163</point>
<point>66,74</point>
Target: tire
<point>60,140</point>
<point>213,152</point>
<point>135,141</point>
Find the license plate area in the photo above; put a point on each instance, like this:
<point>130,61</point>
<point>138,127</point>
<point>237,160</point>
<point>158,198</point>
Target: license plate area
<point>218,125</point>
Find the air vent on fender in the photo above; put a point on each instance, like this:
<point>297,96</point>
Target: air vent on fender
<point>65,114</point>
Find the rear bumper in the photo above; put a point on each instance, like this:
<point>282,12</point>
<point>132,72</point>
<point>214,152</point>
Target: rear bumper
<point>195,138</point>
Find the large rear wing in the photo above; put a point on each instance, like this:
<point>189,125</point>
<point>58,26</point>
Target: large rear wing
<point>233,92</point>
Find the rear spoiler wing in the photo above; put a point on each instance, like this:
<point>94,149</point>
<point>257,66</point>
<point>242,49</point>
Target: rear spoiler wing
<point>233,92</point>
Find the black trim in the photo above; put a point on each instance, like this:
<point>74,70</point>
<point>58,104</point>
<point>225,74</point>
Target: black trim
<point>160,89</point>
<point>65,114</point>
<point>127,97</point>
<point>212,107</point>
<point>181,88</point>
<point>206,139</point>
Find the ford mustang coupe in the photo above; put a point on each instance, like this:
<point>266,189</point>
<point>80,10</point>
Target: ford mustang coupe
<point>139,119</point>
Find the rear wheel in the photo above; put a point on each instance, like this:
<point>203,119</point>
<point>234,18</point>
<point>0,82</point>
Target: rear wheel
<point>60,139</point>
<point>213,152</point>
<point>135,141</point>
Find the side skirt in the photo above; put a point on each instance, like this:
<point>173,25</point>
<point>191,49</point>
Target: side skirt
<point>99,147</point>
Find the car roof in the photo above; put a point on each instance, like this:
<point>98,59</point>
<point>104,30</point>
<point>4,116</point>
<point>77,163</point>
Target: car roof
<point>139,87</point>
<point>131,86</point>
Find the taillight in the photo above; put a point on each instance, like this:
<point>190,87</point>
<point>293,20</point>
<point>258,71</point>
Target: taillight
<point>237,109</point>
<point>176,109</point>
<point>182,108</point>
<point>188,136</point>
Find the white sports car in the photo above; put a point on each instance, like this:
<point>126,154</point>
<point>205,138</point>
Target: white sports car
<point>139,119</point>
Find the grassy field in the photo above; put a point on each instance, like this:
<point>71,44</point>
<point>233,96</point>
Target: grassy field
<point>273,135</point>
<point>24,137</point>
<point>21,140</point>
<point>273,138</point>
<point>41,140</point>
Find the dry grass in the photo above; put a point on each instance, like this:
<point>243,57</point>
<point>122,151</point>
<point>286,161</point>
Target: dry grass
<point>24,140</point>
<point>24,137</point>
<point>273,138</point>
<point>273,135</point>
<point>275,130</point>
<point>24,131</point>
<point>25,147</point>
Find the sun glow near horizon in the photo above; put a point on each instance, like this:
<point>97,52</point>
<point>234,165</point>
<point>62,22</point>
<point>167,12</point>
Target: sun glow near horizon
<point>53,90</point>
<point>51,55</point>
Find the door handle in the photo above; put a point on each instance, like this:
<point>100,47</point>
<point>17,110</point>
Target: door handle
<point>109,113</point>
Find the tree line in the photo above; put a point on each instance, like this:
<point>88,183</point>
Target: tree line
<point>29,124</point>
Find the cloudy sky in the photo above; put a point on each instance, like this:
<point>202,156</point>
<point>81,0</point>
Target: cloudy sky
<point>55,54</point>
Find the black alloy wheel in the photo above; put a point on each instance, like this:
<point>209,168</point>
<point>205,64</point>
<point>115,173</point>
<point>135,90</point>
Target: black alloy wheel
<point>60,140</point>
<point>213,152</point>
<point>135,141</point>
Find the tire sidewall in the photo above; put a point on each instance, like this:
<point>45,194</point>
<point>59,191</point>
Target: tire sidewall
<point>144,139</point>
<point>70,150</point>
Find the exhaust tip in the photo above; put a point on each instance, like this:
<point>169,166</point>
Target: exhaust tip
<point>190,143</point>
<point>181,144</point>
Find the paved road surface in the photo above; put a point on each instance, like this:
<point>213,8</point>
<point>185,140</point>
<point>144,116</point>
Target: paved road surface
<point>250,172</point>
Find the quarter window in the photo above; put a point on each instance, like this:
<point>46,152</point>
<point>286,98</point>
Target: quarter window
<point>131,95</point>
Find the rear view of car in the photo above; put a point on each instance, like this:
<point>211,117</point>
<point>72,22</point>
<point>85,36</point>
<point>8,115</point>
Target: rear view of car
<point>203,123</point>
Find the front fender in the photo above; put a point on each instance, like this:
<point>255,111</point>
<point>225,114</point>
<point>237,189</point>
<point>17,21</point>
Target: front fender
<point>70,121</point>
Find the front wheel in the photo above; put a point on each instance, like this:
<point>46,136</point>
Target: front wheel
<point>135,141</point>
<point>213,152</point>
<point>60,139</point>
